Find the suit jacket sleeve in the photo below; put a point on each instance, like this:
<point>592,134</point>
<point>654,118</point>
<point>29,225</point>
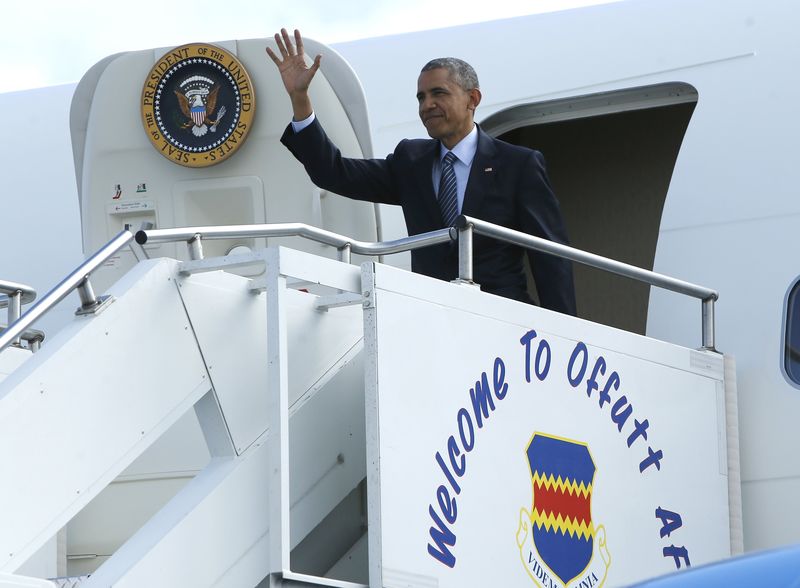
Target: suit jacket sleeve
<point>540,215</point>
<point>361,179</point>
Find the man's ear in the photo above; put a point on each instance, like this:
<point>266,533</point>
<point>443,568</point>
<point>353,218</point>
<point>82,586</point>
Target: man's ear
<point>474,99</point>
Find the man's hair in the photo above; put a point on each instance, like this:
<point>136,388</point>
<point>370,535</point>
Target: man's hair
<point>460,71</point>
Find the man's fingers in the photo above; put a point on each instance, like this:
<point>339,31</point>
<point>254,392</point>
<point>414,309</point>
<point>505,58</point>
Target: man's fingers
<point>272,56</point>
<point>315,66</point>
<point>288,49</point>
<point>288,42</point>
<point>281,46</point>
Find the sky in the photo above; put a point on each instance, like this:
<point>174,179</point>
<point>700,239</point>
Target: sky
<point>50,42</point>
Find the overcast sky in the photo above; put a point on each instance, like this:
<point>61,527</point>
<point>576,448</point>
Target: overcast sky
<point>48,42</point>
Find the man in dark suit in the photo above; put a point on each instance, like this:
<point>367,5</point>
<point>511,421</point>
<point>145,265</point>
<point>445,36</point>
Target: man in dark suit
<point>460,169</point>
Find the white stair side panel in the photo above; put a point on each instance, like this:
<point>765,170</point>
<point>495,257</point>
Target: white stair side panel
<point>201,532</point>
<point>317,340</point>
<point>15,581</point>
<point>84,407</point>
<point>416,416</point>
<point>10,359</point>
<point>214,532</point>
<point>145,486</point>
<point>230,324</point>
<point>45,562</point>
<point>233,340</point>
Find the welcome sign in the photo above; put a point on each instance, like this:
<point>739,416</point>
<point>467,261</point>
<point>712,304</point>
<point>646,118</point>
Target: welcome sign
<point>513,446</point>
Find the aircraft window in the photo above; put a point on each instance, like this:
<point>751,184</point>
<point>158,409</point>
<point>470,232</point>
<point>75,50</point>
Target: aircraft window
<point>792,348</point>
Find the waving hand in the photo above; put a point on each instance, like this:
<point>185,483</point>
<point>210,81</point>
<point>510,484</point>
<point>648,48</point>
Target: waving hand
<point>296,75</point>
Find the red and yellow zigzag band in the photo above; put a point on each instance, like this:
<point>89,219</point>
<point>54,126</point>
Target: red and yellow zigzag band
<point>569,526</point>
<point>562,505</point>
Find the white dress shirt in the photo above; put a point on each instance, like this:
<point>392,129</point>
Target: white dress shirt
<point>299,125</point>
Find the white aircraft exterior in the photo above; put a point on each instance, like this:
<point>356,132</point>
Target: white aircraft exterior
<point>669,128</point>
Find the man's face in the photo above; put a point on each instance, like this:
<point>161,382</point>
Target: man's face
<point>445,108</point>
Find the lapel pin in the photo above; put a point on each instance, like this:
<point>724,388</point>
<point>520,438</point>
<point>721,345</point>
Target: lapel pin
<point>488,169</point>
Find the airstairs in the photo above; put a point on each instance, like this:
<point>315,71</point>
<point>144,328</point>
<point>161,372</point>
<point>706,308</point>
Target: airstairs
<point>319,386</point>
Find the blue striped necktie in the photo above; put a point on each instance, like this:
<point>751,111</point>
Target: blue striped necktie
<point>448,190</point>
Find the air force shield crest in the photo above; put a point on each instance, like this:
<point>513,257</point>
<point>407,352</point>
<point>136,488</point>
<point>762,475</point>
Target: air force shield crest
<point>558,542</point>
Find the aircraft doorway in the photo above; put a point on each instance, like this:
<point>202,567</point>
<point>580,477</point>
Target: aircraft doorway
<point>610,159</point>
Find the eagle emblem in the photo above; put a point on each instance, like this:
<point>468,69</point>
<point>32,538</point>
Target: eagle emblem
<point>197,98</point>
<point>197,104</point>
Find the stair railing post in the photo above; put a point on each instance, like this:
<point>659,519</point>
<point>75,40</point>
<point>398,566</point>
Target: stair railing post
<point>195,247</point>
<point>14,310</point>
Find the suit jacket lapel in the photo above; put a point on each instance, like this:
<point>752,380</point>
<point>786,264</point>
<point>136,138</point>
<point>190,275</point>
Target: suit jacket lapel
<point>481,176</point>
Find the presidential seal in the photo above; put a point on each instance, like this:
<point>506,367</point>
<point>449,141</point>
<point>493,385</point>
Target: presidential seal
<point>197,105</point>
<point>559,544</point>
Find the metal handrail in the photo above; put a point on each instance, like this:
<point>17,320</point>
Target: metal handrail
<point>467,225</point>
<point>27,293</point>
<point>344,244</point>
<point>16,295</point>
<point>32,337</point>
<point>77,280</point>
<point>463,232</point>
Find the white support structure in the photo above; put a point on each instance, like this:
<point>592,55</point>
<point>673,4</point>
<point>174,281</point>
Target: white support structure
<point>125,380</point>
<point>79,412</point>
<point>317,374</point>
<point>278,362</point>
<point>11,359</point>
<point>16,581</point>
<point>543,448</point>
<point>227,512</point>
<point>282,265</point>
<point>213,533</point>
